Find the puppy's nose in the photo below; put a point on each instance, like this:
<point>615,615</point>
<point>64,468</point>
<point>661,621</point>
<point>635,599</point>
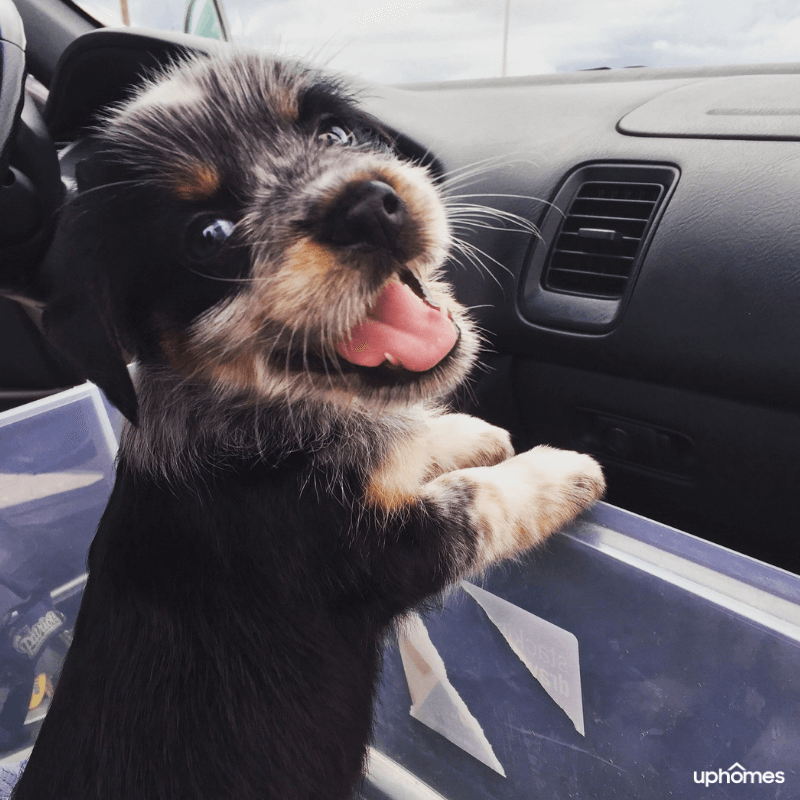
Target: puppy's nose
<point>367,213</point>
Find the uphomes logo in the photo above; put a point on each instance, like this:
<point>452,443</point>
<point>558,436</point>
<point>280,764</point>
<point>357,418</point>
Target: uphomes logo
<point>736,773</point>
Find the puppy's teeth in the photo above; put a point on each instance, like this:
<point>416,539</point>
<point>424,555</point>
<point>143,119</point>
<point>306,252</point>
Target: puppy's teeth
<point>391,359</point>
<point>428,297</point>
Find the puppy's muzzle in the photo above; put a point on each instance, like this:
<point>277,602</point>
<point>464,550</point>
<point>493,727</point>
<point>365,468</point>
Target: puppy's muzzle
<point>367,215</point>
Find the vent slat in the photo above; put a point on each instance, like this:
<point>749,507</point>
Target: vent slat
<point>627,227</point>
<point>627,209</point>
<point>600,258</point>
<point>599,266</point>
<point>625,246</point>
<point>590,263</point>
<point>575,275</point>
<point>621,190</point>
<point>594,285</point>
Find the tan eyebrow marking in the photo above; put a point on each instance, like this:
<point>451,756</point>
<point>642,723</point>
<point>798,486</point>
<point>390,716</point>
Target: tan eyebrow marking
<point>197,182</point>
<point>285,103</point>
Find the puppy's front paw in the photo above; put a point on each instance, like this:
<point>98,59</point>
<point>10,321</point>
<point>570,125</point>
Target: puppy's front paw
<point>564,484</point>
<point>459,441</point>
<point>519,503</point>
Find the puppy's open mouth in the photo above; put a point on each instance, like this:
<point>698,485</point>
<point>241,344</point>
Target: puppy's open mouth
<point>405,328</point>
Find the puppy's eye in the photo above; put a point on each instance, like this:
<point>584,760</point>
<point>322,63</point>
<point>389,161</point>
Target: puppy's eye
<point>206,236</point>
<point>334,132</point>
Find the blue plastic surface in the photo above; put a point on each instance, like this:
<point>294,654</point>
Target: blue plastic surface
<point>689,653</point>
<point>685,670</point>
<point>56,473</point>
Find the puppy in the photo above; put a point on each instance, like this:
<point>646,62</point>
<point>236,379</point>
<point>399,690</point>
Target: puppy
<point>289,485</point>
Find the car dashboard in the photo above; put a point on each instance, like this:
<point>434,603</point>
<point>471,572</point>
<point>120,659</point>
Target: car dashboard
<point>673,357</point>
<point>627,242</point>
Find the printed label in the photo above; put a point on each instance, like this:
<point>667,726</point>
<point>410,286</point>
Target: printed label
<point>29,639</point>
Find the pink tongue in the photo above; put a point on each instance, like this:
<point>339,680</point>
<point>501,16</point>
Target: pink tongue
<point>404,327</point>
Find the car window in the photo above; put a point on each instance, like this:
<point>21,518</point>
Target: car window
<point>430,40</point>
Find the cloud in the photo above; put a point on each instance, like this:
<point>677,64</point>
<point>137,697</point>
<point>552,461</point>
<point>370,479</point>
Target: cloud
<point>394,41</point>
<point>386,42</point>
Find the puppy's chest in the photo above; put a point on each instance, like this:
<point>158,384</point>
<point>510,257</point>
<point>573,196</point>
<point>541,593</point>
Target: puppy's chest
<point>257,523</point>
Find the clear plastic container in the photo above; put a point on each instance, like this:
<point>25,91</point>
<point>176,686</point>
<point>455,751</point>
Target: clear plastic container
<point>56,473</point>
<point>624,660</point>
<point>687,659</point>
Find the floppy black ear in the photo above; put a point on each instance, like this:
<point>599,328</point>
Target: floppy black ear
<point>80,325</point>
<point>81,319</point>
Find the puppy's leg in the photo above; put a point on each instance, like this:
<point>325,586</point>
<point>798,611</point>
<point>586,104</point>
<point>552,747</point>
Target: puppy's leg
<point>450,505</point>
<point>515,505</point>
<point>441,443</point>
<point>456,441</point>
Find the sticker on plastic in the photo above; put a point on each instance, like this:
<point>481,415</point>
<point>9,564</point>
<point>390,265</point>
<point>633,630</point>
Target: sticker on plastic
<point>434,701</point>
<point>550,653</point>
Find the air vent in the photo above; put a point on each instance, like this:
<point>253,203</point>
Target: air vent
<point>581,273</point>
<point>598,244</point>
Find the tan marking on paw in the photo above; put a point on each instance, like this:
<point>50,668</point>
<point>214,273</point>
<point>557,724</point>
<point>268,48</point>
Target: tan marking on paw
<point>397,481</point>
<point>544,489</point>
<point>459,441</point>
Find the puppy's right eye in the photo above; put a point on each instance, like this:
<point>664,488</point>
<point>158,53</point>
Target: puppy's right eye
<point>333,132</point>
<point>206,236</point>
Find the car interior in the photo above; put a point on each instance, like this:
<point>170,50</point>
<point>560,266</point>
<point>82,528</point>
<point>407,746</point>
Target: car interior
<point>627,242</point>
<point>649,318</point>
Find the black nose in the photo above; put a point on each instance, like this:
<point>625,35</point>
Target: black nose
<point>366,213</point>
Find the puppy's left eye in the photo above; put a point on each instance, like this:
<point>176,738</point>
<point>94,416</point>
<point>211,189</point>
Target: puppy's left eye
<point>206,236</point>
<point>334,132</point>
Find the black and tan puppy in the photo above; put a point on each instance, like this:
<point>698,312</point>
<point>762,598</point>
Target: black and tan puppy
<point>288,486</point>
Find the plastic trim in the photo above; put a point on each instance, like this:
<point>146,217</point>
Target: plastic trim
<point>50,27</point>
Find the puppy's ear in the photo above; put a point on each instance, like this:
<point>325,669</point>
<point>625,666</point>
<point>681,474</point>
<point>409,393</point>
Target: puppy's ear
<point>81,319</point>
<point>80,327</point>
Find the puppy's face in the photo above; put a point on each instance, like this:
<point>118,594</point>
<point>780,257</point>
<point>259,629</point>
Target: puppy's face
<point>260,233</point>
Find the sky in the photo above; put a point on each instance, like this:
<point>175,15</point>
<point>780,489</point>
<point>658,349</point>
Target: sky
<point>428,40</point>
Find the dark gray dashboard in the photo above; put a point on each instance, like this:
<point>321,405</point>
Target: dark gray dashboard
<point>691,397</point>
<point>687,384</point>
<point>715,307</point>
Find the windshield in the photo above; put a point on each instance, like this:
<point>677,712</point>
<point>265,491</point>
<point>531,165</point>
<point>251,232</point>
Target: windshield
<point>432,40</point>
